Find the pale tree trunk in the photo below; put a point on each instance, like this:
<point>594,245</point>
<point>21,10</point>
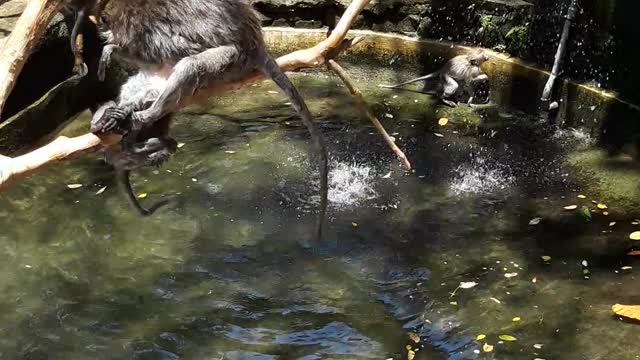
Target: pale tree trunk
<point>23,39</point>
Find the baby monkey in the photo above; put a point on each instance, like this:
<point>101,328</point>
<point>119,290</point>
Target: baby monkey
<point>152,146</point>
<point>456,77</point>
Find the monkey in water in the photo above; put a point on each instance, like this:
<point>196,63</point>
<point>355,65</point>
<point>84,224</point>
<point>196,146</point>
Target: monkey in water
<point>459,75</point>
<point>195,44</point>
<point>152,146</point>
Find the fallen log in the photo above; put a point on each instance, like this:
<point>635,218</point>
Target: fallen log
<point>63,147</point>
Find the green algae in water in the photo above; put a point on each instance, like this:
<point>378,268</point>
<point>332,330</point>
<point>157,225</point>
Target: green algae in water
<point>225,271</point>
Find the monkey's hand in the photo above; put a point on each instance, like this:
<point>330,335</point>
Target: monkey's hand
<point>112,120</point>
<point>151,152</point>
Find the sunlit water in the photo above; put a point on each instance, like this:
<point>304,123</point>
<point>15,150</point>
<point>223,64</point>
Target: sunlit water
<point>228,269</point>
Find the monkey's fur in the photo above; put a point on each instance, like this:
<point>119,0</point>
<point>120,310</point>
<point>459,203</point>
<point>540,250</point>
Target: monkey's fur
<point>195,44</point>
<point>152,146</point>
<point>457,75</point>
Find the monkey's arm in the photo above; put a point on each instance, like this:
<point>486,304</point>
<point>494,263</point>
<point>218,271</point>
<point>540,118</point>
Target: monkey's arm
<point>187,76</point>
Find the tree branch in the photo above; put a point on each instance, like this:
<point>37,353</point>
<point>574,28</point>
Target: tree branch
<point>63,147</point>
<point>23,39</point>
<point>362,104</point>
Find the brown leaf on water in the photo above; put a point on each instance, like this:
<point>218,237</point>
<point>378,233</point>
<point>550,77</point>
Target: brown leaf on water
<point>627,311</point>
<point>443,121</point>
<point>414,337</point>
<point>487,348</point>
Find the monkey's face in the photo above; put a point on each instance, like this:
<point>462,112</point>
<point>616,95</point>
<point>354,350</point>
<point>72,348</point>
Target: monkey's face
<point>478,58</point>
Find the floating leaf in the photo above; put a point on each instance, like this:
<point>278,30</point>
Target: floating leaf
<point>613,223</point>
<point>388,175</point>
<point>74,186</point>
<point>180,145</point>
<point>634,253</point>
<point>516,319</point>
<point>355,225</point>
<point>626,268</point>
<point>635,235</point>
<point>535,221</point>
<point>230,152</point>
<point>507,338</point>
<point>635,222</point>
<point>411,355</point>
<point>510,275</point>
<point>605,213</point>
<point>602,206</point>
<point>481,337</point>
<point>468,285</point>
<point>454,303</point>
<point>487,348</point>
<point>101,190</point>
<point>142,196</point>
<point>538,346</point>
<point>443,121</point>
<point>546,258</point>
<point>581,197</point>
<point>628,311</point>
<point>571,207</point>
<point>438,134</point>
<point>414,337</point>
<point>585,263</point>
<point>495,300</point>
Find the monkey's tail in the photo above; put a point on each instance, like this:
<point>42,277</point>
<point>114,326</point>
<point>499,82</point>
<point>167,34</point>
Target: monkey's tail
<point>272,69</point>
<point>125,184</point>
<point>426,77</point>
<point>77,55</point>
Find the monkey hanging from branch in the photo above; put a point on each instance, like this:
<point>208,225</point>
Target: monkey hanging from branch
<point>194,44</point>
<point>460,78</point>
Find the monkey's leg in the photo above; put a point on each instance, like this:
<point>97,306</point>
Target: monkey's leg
<point>188,74</point>
<point>450,88</point>
<point>111,118</point>
<point>105,59</point>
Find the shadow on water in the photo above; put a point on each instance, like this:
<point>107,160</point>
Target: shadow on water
<point>227,270</point>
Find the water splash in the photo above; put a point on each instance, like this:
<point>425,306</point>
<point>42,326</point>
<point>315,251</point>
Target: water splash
<point>481,175</point>
<point>350,184</point>
<point>573,137</point>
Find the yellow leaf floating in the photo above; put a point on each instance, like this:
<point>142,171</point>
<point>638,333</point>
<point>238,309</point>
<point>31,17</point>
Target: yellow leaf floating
<point>546,258</point>
<point>74,186</point>
<point>602,206</point>
<point>581,197</point>
<point>516,319</point>
<point>481,337</point>
<point>635,235</point>
<point>454,303</point>
<point>571,207</point>
<point>443,121</point>
<point>487,348</point>
<point>507,338</point>
<point>142,196</point>
<point>628,311</point>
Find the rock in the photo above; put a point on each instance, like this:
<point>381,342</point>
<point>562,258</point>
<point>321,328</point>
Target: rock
<point>409,23</point>
<point>308,24</point>
<point>280,22</point>
<point>387,26</point>
<point>424,27</point>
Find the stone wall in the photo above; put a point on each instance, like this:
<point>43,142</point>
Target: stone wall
<point>601,48</point>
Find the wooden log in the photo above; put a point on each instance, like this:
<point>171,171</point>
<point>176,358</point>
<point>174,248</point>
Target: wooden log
<point>63,147</point>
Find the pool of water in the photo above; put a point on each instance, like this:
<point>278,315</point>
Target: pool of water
<point>228,270</point>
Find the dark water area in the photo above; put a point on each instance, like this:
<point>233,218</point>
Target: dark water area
<point>228,269</point>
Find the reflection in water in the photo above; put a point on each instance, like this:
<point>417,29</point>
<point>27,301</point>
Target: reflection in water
<point>220,273</point>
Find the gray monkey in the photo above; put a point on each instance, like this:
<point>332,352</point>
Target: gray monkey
<point>195,44</point>
<point>456,76</point>
<point>152,146</point>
